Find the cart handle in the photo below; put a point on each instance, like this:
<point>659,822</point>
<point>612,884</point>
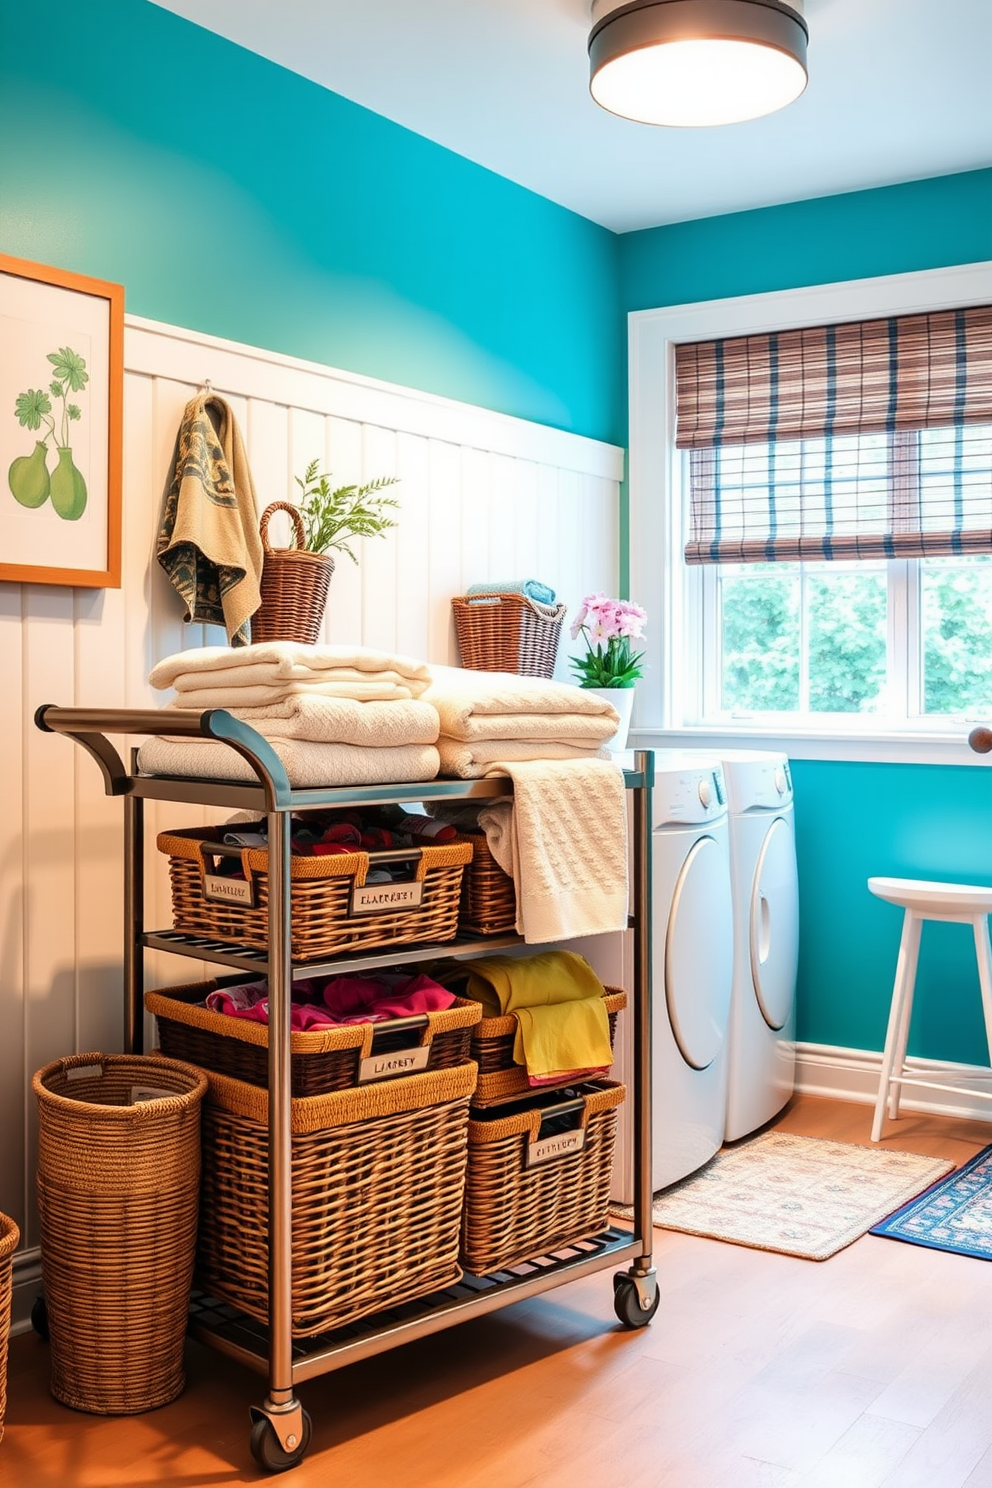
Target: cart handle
<point>89,725</point>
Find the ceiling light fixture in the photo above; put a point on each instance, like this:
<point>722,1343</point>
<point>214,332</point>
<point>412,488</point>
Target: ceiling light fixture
<point>696,62</point>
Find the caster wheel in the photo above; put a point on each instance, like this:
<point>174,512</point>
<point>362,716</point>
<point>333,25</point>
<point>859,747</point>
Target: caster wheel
<point>39,1318</point>
<point>627,1304</point>
<point>268,1451</point>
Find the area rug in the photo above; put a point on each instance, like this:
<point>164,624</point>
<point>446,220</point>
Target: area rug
<point>954,1215</point>
<point>800,1196</point>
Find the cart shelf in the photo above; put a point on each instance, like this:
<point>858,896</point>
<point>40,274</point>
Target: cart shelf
<point>231,1332</point>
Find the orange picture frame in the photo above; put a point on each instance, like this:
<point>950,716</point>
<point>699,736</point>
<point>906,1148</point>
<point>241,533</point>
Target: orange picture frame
<point>62,390</point>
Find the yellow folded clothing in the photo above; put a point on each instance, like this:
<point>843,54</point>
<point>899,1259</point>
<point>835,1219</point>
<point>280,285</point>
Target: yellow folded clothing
<point>557,1000</point>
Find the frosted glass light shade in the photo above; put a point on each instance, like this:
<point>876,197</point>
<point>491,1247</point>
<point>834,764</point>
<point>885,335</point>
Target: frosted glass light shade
<point>698,62</point>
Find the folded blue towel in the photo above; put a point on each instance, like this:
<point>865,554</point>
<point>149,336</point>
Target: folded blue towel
<point>533,588</point>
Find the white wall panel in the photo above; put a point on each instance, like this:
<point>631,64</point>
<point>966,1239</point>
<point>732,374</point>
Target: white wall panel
<point>14,1091</point>
<point>482,496</point>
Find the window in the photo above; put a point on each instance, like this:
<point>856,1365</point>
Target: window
<point>680,698</point>
<point>814,638</point>
<point>838,502</point>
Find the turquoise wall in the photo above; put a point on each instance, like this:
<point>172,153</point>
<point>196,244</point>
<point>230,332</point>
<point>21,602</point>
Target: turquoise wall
<point>232,196</point>
<point>892,230</point>
<point>856,820</point>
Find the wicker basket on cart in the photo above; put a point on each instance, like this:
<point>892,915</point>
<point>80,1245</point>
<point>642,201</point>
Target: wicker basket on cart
<point>492,1048</point>
<point>321,1059</point>
<point>294,585</point>
<point>489,898</point>
<point>118,1189</point>
<point>324,918</point>
<point>507,633</point>
<point>538,1176</point>
<point>378,1179</point>
<point>9,1236</point>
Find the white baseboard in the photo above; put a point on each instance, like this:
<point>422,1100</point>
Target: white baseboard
<point>853,1074</point>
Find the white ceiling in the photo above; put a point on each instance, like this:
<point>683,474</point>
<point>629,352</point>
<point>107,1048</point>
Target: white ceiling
<point>899,90</point>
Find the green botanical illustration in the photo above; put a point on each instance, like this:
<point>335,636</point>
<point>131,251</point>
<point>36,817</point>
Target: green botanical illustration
<point>29,478</point>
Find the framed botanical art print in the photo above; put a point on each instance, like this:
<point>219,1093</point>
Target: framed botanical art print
<point>61,411</point>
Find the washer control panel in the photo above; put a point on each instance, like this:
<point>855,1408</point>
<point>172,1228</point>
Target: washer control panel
<point>757,780</point>
<point>688,794</point>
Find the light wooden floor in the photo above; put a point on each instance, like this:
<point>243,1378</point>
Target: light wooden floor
<point>760,1371</point>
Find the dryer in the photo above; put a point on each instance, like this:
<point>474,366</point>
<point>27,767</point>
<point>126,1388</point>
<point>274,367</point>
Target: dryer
<point>692,925</point>
<point>765,891</point>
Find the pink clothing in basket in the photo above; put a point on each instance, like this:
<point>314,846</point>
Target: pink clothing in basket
<point>343,1000</point>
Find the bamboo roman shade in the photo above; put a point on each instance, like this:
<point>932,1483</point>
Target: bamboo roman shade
<point>862,440</point>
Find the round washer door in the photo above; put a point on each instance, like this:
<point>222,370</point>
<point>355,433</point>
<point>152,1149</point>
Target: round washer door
<point>699,955</point>
<point>774,917</point>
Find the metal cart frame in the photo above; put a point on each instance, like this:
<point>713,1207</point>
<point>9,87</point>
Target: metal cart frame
<point>281,1427</point>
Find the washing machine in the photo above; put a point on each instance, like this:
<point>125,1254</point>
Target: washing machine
<point>765,891</point>
<point>692,928</point>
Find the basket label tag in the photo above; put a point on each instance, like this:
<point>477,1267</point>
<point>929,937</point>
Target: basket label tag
<point>546,1149</point>
<point>85,1072</point>
<point>398,1062</point>
<point>228,890</point>
<point>141,1093</point>
<point>381,898</point>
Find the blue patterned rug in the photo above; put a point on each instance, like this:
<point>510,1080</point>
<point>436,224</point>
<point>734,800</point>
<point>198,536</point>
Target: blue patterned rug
<point>955,1214</point>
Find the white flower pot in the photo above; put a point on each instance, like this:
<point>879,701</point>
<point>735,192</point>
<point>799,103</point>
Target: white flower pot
<point>622,699</point>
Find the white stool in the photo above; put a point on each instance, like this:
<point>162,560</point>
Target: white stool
<point>963,904</point>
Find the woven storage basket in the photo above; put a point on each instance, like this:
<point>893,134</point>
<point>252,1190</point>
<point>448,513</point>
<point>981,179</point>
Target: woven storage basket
<point>321,919</point>
<point>9,1236</point>
<point>118,1182</point>
<point>507,633</point>
<point>489,899</point>
<point>492,1048</point>
<point>538,1177</point>
<point>378,1183</point>
<point>294,585</point>
<point>322,1059</point>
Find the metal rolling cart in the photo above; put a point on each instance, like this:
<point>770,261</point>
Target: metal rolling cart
<point>280,1426</point>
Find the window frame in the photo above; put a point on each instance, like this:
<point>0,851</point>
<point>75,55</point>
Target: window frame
<point>658,577</point>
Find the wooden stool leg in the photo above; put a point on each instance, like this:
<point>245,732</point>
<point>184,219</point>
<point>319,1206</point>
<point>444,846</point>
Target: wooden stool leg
<point>897,1033</point>
<point>983,952</point>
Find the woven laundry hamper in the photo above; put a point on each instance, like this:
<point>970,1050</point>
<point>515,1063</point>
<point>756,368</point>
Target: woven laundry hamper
<point>118,1192</point>
<point>9,1236</point>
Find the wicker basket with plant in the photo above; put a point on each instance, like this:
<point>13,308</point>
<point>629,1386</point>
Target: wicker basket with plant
<point>295,580</point>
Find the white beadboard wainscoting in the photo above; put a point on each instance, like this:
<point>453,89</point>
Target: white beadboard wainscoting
<point>482,496</point>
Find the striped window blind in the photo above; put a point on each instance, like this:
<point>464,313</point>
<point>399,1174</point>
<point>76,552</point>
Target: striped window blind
<point>863,440</point>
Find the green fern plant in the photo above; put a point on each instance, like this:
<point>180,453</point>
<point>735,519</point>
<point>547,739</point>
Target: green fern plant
<point>331,515</point>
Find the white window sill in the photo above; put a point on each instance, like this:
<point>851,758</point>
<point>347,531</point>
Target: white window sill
<point>946,745</point>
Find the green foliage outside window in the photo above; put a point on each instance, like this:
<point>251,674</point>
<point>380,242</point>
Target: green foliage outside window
<point>845,633</point>
<point>957,644</point>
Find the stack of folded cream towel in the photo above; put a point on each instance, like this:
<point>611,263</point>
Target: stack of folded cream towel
<point>492,718</point>
<point>563,836</point>
<point>335,715</point>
